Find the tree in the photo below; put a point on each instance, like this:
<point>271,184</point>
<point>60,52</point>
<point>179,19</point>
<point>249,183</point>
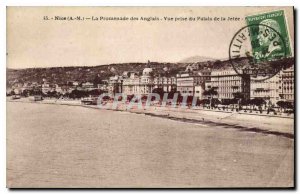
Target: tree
<point>97,80</point>
<point>25,93</point>
<point>284,105</point>
<point>12,93</point>
<point>239,96</point>
<point>67,95</point>
<point>52,94</point>
<point>215,101</point>
<point>210,93</point>
<point>159,91</point>
<point>129,97</point>
<point>204,102</point>
<point>189,100</point>
<point>35,92</point>
<point>144,98</point>
<point>95,92</point>
<point>78,94</point>
<point>246,102</point>
<point>180,98</point>
<point>257,102</point>
<point>172,93</point>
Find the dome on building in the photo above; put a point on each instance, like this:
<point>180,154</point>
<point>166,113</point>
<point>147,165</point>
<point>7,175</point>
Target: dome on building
<point>147,71</point>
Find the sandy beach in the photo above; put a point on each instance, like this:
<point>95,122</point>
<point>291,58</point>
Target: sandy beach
<point>72,146</point>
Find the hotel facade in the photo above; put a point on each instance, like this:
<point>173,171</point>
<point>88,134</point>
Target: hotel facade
<point>268,89</point>
<point>226,82</point>
<point>192,84</point>
<point>287,84</point>
<point>134,84</point>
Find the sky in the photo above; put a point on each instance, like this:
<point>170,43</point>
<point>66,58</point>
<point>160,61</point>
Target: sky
<point>35,42</point>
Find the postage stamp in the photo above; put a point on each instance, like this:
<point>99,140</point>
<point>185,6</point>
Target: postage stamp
<point>259,48</point>
<point>264,36</point>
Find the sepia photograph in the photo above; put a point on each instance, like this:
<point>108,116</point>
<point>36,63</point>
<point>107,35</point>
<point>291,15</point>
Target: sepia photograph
<point>150,97</point>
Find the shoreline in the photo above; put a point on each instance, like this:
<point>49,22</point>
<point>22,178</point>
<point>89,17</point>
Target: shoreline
<point>280,126</point>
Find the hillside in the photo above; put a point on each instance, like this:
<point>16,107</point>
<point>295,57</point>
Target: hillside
<point>95,74</point>
<point>61,75</point>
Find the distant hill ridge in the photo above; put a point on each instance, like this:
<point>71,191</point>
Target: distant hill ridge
<point>195,59</point>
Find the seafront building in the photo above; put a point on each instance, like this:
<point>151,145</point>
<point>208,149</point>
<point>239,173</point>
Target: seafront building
<point>103,86</point>
<point>287,84</point>
<point>168,84</point>
<point>185,84</point>
<point>133,84</point>
<point>48,87</point>
<point>88,85</point>
<point>228,83</point>
<point>29,86</point>
<point>280,87</point>
<point>17,88</point>
<point>115,84</point>
<point>267,89</point>
<point>146,82</point>
<point>192,83</point>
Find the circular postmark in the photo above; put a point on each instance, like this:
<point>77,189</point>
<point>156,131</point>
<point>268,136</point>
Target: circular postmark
<point>257,50</point>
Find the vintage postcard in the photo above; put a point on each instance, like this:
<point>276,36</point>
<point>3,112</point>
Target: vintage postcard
<point>150,97</point>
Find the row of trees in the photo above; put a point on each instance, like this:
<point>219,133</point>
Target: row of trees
<point>26,93</point>
<point>239,100</point>
<point>75,94</point>
<point>83,93</point>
